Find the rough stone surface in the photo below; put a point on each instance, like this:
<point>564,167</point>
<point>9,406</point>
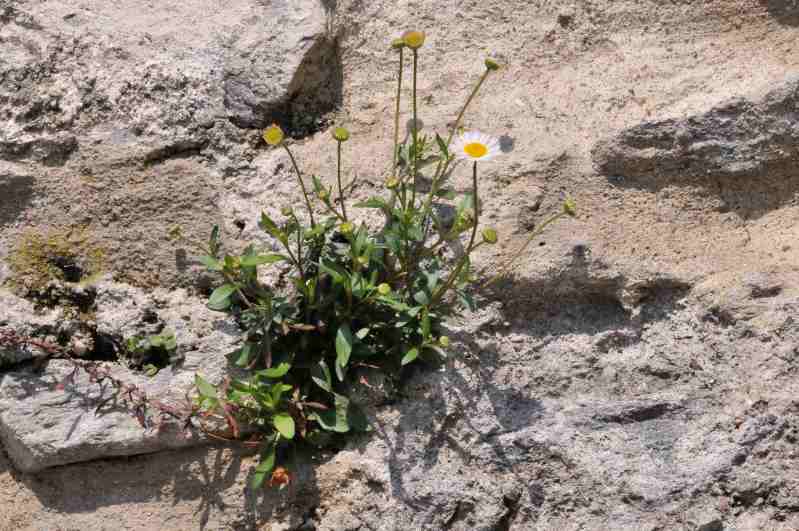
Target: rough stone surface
<point>112,113</point>
<point>638,373</point>
<point>21,316</point>
<point>78,423</point>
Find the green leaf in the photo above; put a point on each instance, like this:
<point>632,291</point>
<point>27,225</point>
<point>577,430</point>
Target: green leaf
<point>410,356</point>
<point>284,424</point>
<point>276,372</point>
<point>264,467</point>
<point>339,274</point>
<point>334,419</point>
<point>205,389</point>
<point>373,202</point>
<point>258,259</point>
<point>213,241</point>
<point>220,298</point>
<point>243,355</point>
<point>442,146</point>
<point>270,227</point>
<point>343,345</point>
<point>211,263</point>
<point>426,326</point>
<point>320,374</point>
<point>421,297</point>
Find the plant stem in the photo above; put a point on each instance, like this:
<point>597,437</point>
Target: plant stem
<point>340,193</point>
<point>397,112</point>
<point>457,271</point>
<point>415,131</point>
<point>441,168</point>
<point>302,184</point>
<point>506,266</point>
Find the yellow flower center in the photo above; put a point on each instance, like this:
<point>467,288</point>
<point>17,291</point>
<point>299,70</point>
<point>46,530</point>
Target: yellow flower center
<point>475,150</point>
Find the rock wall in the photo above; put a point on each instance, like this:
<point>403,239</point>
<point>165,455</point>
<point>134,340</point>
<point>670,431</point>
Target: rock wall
<point>639,372</point>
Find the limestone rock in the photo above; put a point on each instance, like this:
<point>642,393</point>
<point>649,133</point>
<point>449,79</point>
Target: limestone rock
<point>70,427</point>
<point>735,140</point>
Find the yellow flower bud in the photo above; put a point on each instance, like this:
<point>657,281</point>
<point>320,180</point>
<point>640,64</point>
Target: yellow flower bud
<point>346,227</point>
<point>413,39</point>
<point>570,207</point>
<point>341,134</point>
<point>274,135</point>
<point>392,182</point>
<point>323,195</point>
<point>363,261</point>
<point>384,289</point>
<point>287,211</point>
<point>490,236</point>
<point>443,341</point>
<point>491,64</point>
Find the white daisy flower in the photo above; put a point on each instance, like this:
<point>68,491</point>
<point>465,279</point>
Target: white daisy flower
<point>475,146</point>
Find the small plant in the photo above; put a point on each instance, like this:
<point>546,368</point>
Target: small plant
<point>357,297</point>
<point>153,352</point>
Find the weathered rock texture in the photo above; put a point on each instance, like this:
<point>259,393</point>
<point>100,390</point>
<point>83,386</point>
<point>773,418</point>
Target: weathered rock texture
<point>86,420</point>
<point>638,373</point>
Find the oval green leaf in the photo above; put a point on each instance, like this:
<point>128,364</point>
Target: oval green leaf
<point>220,298</point>
<point>284,424</point>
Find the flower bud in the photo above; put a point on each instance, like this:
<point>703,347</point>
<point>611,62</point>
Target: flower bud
<point>384,289</point>
<point>287,211</point>
<point>341,134</point>
<point>346,227</point>
<point>443,341</point>
<point>273,135</point>
<point>363,261</point>
<point>392,182</point>
<point>323,195</point>
<point>570,207</point>
<point>413,39</point>
<point>397,44</point>
<point>490,236</point>
<point>491,64</point>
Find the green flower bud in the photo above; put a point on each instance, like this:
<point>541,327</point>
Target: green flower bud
<point>363,261</point>
<point>384,289</point>
<point>397,44</point>
<point>491,64</point>
<point>392,182</point>
<point>287,211</point>
<point>274,135</point>
<point>341,134</point>
<point>570,207</point>
<point>413,39</point>
<point>346,227</point>
<point>443,341</point>
<point>490,236</point>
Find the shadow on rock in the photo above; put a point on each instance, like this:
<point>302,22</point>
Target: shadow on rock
<point>15,193</point>
<point>785,11</point>
<point>738,157</point>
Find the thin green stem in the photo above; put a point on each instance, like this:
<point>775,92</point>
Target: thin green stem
<point>302,184</point>
<point>469,248</point>
<point>340,193</point>
<point>506,266</point>
<point>415,131</point>
<point>397,112</point>
<point>441,168</point>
